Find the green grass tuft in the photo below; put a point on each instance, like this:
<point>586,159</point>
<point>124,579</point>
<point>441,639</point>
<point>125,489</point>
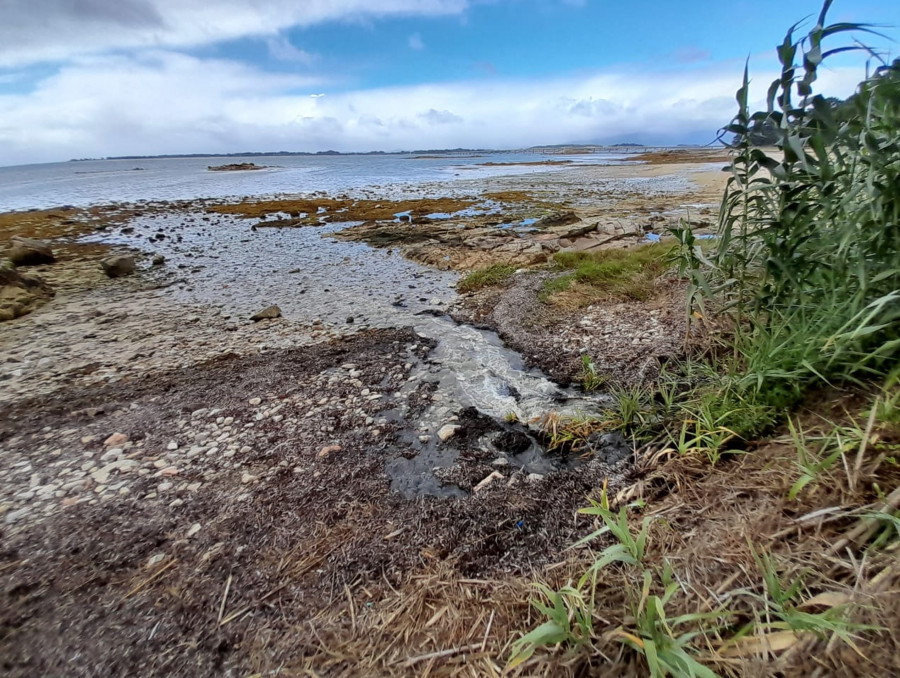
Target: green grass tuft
<point>486,277</point>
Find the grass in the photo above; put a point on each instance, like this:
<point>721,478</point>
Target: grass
<point>486,277</point>
<point>805,275</point>
<point>626,274</point>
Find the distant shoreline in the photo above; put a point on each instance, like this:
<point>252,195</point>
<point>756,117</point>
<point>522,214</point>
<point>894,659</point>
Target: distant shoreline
<point>562,149</point>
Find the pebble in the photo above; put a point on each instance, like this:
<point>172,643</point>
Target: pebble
<point>116,440</point>
<point>255,401</point>
<point>172,446</point>
<point>448,431</point>
<point>247,478</point>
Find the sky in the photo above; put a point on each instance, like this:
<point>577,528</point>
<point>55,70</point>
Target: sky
<point>98,78</point>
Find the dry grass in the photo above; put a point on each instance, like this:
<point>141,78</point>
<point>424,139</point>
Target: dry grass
<point>710,525</point>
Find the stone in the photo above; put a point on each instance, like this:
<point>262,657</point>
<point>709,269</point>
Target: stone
<point>247,478</point>
<point>111,455</point>
<point>29,252</point>
<point>328,451</point>
<point>172,446</point>
<point>534,478</point>
<point>496,475</point>
<point>116,440</point>
<point>448,431</point>
<point>158,260</point>
<point>118,266</point>
<point>20,294</point>
<point>195,528</point>
<point>269,313</point>
<point>15,516</point>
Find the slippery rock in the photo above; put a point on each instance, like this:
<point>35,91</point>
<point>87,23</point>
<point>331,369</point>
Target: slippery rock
<point>118,266</point>
<point>269,313</point>
<point>28,252</point>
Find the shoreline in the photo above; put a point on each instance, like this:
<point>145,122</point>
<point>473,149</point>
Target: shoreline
<point>153,432</point>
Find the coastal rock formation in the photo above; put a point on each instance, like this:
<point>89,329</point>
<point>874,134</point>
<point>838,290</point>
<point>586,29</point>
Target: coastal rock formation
<point>20,294</point>
<point>118,266</point>
<point>29,252</point>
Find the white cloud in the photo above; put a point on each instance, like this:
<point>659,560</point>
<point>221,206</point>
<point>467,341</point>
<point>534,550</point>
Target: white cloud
<point>282,49</point>
<point>163,102</point>
<point>52,30</point>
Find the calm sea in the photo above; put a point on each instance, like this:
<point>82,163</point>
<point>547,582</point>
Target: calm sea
<point>111,181</point>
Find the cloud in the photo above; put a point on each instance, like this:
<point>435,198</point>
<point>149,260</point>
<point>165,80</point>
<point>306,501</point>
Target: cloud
<point>433,117</point>
<point>61,29</point>
<point>415,42</point>
<point>282,49</point>
<point>164,102</point>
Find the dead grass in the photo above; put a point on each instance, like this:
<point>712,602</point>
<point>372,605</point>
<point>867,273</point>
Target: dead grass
<point>344,209</point>
<point>710,525</point>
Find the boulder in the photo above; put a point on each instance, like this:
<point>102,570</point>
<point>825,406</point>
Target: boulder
<point>20,294</point>
<point>28,252</point>
<point>118,266</point>
<point>269,313</point>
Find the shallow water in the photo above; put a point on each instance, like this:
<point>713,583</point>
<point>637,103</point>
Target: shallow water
<point>95,182</point>
<point>312,277</point>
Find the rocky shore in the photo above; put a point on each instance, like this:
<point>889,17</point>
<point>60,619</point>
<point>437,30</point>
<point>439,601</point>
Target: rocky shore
<point>190,488</point>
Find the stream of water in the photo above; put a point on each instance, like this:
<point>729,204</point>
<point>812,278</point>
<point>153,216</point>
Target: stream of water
<point>314,278</point>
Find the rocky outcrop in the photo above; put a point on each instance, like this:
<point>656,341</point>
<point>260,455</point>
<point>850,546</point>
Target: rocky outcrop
<point>20,294</point>
<point>118,266</point>
<point>29,252</point>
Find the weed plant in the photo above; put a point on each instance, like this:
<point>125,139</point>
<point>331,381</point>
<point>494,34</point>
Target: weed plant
<point>486,277</point>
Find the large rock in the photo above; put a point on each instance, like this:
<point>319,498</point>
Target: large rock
<point>118,266</point>
<point>269,313</point>
<point>20,294</point>
<point>28,252</point>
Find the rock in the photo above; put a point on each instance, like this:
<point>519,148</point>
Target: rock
<point>158,260</point>
<point>269,313</point>
<point>114,454</point>
<point>255,401</point>
<point>20,293</point>
<point>325,452</point>
<point>500,462</point>
<point>534,478</point>
<point>172,446</point>
<point>448,431</point>
<point>118,266</point>
<point>247,478</point>
<point>15,516</point>
<point>496,475</point>
<point>28,252</point>
<point>557,219</point>
<point>115,440</point>
<point>195,528</point>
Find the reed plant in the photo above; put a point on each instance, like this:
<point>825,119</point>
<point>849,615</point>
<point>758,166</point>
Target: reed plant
<point>807,263</point>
